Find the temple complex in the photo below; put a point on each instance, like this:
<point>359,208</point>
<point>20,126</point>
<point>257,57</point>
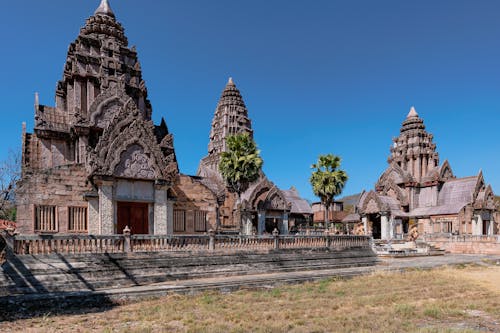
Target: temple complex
<point>263,205</point>
<point>417,191</point>
<point>96,164</point>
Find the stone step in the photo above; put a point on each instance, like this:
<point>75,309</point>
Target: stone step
<point>56,273</point>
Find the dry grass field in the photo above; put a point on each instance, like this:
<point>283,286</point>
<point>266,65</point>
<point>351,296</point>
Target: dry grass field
<point>459,299</point>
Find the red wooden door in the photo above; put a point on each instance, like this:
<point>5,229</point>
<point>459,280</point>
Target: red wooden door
<point>135,216</point>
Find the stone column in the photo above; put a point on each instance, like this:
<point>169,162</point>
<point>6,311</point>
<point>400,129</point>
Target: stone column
<point>418,171</point>
<point>284,225</point>
<point>364,219</point>
<point>160,211</point>
<point>170,217</point>
<point>106,209</point>
<point>478,226</point>
<point>384,224</point>
<point>94,216</point>
<point>262,222</point>
<point>392,229</point>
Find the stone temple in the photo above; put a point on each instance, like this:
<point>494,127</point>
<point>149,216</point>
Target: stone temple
<point>95,162</point>
<point>416,190</point>
<point>264,206</point>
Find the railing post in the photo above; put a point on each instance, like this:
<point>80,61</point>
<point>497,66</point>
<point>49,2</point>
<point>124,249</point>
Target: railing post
<point>328,239</point>
<point>211,242</point>
<point>276,235</point>
<point>127,245</point>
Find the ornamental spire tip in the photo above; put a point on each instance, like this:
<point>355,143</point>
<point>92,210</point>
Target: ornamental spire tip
<point>413,113</point>
<point>105,9</point>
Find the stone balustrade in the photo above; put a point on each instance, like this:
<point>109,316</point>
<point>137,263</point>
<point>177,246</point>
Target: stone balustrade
<point>461,238</point>
<point>73,244</point>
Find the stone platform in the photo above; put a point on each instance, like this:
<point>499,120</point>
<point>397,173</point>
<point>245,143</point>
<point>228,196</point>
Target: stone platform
<point>38,274</point>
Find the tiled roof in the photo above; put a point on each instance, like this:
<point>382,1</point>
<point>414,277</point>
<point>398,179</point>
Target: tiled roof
<point>299,205</point>
<point>454,195</point>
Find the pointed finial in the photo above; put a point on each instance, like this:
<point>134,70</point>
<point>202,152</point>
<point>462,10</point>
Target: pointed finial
<point>230,81</point>
<point>105,9</point>
<point>37,101</point>
<point>413,113</point>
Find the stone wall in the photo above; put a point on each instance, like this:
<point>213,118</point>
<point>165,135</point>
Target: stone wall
<point>468,247</point>
<point>62,187</point>
<point>192,197</point>
<point>48,153</point>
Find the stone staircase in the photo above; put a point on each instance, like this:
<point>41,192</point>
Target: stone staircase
<point>22,274</point>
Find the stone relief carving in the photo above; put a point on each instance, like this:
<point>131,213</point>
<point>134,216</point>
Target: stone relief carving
<point>126,129</point>
<point>109,111</point>
<point>372,207</point>
<point>135,164</point>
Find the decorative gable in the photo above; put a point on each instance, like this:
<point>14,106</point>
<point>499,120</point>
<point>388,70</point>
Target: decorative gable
<point>129,148</point>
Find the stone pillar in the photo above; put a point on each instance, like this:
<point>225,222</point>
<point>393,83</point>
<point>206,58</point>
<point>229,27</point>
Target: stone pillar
<point>170,217</point>
<point>94,216</point>
<point>478,230</point>
<point>106,209</point>
<point>82,149</point>
<point>160,211</point>
<point>418,171</point>
<point>246,220</point>
<point>262,222</point>
<point>284,225</point>
<point>364,219</point>
<point>392,227</point>
<point>384,224</point>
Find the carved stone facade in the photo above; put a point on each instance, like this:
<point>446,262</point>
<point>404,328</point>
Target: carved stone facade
<point>95,162</point>
<point>416,191</point>
<point>263,205</point>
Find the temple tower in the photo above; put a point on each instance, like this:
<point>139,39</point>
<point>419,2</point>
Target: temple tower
<point>413,150</point>
<point>95,163</point>
<point>230,118</point>
<point>99,59</point>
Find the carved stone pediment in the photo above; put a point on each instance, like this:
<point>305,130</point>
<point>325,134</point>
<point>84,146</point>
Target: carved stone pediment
<point>107,106</point>
<point>372,204</point>
<point>266,196</point>
<point>129,148</point>
<point>392,190</point>
<point>135,163</point>
<point>393,174</point>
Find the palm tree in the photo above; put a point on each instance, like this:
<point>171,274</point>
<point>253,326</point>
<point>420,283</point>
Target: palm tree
<point>240,164</point>
<point>327,181</point>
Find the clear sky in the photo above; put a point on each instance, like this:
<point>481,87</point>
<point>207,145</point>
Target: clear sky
<point>322,76</point>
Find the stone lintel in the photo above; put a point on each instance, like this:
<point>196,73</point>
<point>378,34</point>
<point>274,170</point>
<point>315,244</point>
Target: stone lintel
<point>103,180</point>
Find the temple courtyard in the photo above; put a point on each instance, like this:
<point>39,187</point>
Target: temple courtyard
<point>451,293</point>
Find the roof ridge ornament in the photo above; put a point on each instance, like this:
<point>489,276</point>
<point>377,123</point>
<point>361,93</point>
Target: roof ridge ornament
<point>105,9</point>
<point>413,113</point>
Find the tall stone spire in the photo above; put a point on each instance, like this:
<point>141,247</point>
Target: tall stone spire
<point>414,150</point>
<point>230,118</point>
<point>99,61</point>
<point>104,9</point>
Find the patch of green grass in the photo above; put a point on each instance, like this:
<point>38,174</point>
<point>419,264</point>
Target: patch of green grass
<point>405,310</point>
<point>433,311</point>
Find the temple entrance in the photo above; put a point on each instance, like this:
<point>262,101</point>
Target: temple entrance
<point>486,228</point>
<point>376,226</point>
<point>135,215</point>
<point>271,224</point>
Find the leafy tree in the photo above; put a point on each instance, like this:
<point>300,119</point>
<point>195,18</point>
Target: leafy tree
<point>328,181</point>
<point>10,172</point>
<point>241,164</point>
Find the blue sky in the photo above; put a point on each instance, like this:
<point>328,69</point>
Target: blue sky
<point>321,76</point>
